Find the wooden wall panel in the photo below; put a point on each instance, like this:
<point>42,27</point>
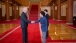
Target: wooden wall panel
<point>63,17</point>
<point>51,13</point>
<point>3,12</point>
<point>56,13</point>
<point>17,14</point>
<point>12,14</point>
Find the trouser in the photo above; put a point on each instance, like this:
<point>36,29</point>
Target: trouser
<point>47,33</point>
<point>43,37</point>
<point>25,35</point>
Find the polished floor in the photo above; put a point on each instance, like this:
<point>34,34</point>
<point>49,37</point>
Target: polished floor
<point>6,27</point>
<point>61,32</point>
<point>56,31</point>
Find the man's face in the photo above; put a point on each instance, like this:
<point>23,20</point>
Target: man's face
<point>26,11</point>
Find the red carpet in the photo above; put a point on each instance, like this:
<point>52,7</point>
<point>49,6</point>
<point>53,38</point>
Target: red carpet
<point>33,12</point>
<point>16,36</point>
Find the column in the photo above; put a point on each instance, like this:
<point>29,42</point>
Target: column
<point>59,10</point>
<point>53,11</point>
<point>14,7</point>
<point>7,10</point>
<point>69,16</point>
<point>17,12</point>
<point>56,12</point>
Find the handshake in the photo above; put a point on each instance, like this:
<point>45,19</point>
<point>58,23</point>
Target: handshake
<point>32,21</point>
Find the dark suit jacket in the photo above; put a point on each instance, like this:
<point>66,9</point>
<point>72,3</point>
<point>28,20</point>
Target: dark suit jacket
<point>24,20</point>
<point>47,17</point>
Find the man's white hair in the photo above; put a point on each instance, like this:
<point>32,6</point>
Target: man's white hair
<point>25,9</point>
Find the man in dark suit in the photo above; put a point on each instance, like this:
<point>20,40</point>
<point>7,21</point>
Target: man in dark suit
<point>24,25</point>
<point>47,17</point>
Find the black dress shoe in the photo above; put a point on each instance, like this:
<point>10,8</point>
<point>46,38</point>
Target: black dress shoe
<point>26,42</point>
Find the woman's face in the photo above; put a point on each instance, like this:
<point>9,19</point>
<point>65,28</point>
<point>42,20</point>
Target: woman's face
<point>41,15</point>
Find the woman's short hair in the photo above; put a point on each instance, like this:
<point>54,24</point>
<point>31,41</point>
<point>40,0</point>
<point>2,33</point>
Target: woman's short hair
<point>46,10</point>
<point>42,13</point>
